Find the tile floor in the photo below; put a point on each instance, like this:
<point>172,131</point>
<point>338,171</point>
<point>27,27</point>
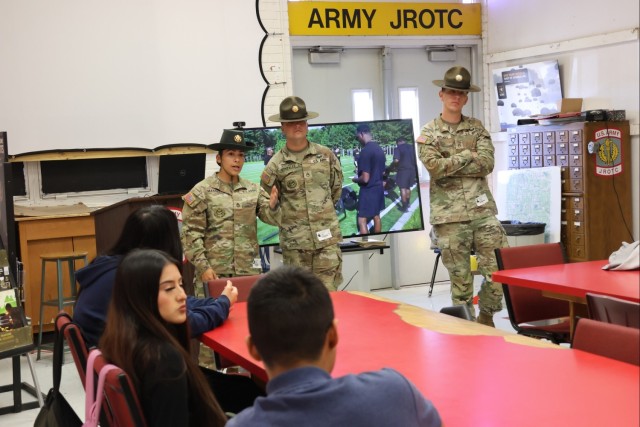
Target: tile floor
<point>71,386</point>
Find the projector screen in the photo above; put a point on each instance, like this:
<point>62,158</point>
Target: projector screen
<point>141,74</point>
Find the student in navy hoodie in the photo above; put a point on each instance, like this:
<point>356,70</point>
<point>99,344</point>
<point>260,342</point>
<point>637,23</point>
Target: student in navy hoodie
<point>150,227</point>
<point>156,227</point>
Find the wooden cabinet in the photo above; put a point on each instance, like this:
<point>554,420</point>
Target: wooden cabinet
<point>39,235</point>
<point>596,185</point>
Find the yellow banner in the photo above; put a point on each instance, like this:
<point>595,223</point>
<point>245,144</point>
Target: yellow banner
<point>317,18</point>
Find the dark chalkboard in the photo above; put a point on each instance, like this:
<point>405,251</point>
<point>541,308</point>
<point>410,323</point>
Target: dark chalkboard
<point>8,238</point>
<point>179,173</point>
<point>17,173</point>
<point>69,176</point>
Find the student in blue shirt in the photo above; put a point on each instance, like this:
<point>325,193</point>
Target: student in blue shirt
<point>293,331</point>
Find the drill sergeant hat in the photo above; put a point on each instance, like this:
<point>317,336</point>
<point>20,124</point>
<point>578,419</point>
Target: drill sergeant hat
<point>293,109</point>
<point>457,78</point>
<point>232,139</point>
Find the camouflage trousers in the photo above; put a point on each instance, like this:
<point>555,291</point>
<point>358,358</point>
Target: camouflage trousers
<point>456,241</point>
<point>206,356</point>
<point>326,263</point>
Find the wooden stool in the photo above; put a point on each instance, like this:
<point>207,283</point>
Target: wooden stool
<point>61,301</point>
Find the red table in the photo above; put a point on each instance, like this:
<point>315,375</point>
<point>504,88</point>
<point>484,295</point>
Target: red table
<point>571,282</point>
<point>575,279</point>
<point>479,380</point>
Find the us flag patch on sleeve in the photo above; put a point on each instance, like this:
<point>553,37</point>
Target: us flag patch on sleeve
<point>421,139</point>
<point>188,198</point>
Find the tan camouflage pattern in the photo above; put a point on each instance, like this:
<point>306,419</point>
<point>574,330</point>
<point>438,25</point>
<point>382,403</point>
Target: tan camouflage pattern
<point>456,240</point>
<point>326,263</point>
<point>463,210</point>
<point>457,178</point>
<point>309,187</point>
<point>219,227</point>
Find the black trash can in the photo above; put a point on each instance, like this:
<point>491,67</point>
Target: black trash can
<point>523,233</point>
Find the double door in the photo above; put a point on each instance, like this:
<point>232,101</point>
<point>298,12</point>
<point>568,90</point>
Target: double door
<point>385,73</point>
<point>328,88</point>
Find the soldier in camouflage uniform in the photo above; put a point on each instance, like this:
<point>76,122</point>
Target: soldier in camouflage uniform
<point>219,230</point>
<point>309,179</point>
<point>458,153</point>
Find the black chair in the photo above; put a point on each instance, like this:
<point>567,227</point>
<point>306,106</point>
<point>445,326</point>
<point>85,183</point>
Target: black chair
<point>531,313</point>
<point>461,311</point>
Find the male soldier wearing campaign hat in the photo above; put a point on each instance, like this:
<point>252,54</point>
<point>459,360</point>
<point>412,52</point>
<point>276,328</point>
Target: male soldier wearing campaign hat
<point>219,230</point>
<point>458,153</point>
<point>309,180</point>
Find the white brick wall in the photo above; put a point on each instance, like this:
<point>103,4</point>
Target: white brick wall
<point>276,54</point>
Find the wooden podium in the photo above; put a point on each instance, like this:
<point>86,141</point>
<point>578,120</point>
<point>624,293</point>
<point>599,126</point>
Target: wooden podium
<point>109,222</point>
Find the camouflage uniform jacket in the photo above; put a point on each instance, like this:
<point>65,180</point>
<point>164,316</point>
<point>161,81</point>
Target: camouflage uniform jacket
<point>459,190</point>
<point>308,192</point>
<point>219,227</point>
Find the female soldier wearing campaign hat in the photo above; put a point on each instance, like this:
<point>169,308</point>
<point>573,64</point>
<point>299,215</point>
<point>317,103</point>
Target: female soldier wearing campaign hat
<point>458,153</point>
<point>219,230</point>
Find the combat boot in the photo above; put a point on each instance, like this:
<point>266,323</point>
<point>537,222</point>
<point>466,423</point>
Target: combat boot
<point>486,319</point>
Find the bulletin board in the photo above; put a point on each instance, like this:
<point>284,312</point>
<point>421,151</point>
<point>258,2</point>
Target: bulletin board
<point>531,195</point>
<point>526,90</point>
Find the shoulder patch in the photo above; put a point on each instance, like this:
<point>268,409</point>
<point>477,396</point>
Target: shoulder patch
<point>189,198</point>
<point>421,139</point>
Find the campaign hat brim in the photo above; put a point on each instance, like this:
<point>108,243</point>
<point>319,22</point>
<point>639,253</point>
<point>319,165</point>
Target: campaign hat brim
<point>443,84</point>
<point>276,118</point>
<point>225,146</point>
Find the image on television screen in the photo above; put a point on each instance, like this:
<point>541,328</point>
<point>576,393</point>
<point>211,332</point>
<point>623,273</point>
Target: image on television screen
<point>340,137</point>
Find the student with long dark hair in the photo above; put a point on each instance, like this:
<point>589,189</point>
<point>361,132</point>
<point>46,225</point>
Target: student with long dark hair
<point>152,227</point>
<point>147,335</point>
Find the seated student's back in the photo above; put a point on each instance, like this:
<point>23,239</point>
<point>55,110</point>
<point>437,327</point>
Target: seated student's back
<point>310,397</point>
<point>299,358</point>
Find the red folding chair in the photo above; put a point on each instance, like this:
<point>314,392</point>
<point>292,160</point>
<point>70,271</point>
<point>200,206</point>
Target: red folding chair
<point>609,340</point>
<point>122,403</point>
<point>531,313</point>
<point>75,341</point>
<point>244,285</point>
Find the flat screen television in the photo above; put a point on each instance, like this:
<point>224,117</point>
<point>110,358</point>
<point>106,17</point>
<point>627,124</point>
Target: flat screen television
<point>340,137</point>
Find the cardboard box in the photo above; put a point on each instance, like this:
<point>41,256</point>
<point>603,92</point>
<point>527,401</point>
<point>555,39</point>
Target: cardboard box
<point>570,105</point>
